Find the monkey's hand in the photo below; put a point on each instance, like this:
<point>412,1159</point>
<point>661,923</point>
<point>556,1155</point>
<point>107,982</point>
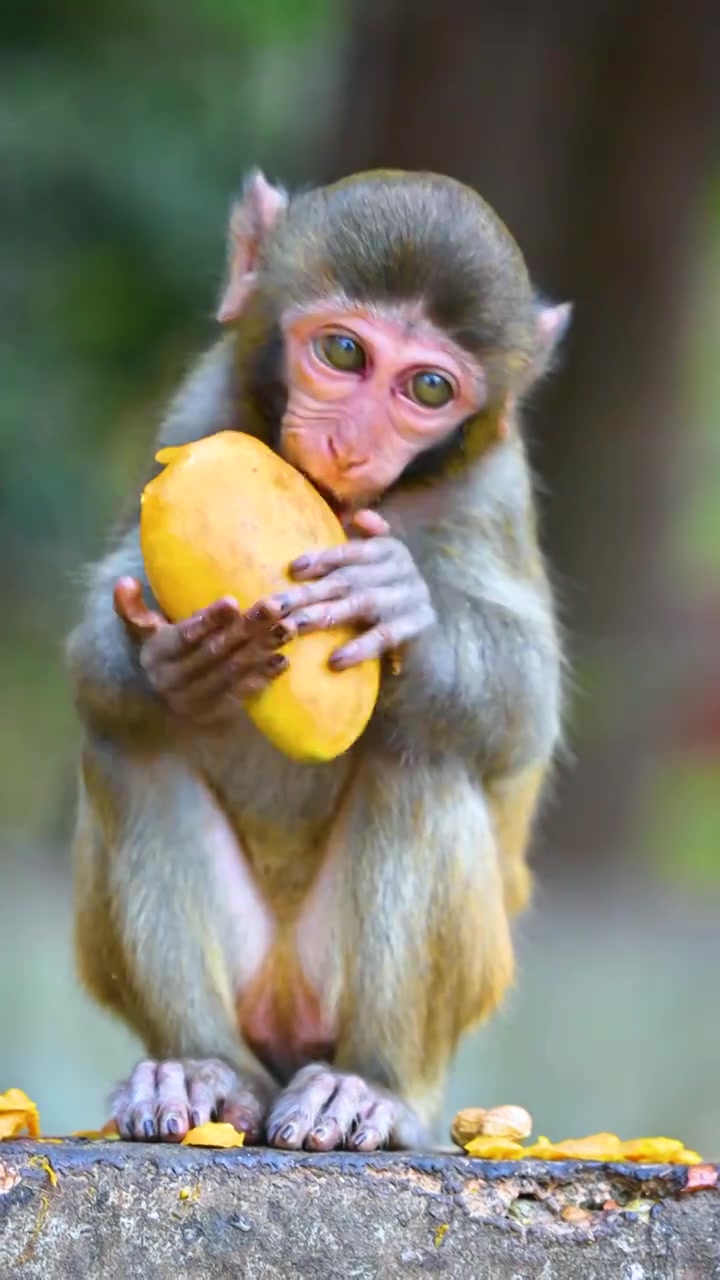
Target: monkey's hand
<point>204,667</point>
<point>371,582</point>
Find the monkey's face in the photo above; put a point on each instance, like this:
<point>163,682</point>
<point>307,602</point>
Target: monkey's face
<point>369,389</point>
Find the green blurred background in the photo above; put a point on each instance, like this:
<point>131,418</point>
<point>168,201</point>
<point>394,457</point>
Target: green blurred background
<point>125,127</point>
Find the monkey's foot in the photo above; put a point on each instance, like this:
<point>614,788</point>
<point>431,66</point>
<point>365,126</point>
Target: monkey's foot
<point>161,1101</point>
<point>322,1109</point>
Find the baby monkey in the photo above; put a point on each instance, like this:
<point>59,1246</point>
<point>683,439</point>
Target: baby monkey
<point>300,946</point>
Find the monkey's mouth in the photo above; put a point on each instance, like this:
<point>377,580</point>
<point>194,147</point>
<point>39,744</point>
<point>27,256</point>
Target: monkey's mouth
<point>335,504</point>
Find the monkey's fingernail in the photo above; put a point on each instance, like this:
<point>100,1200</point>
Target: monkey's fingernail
<point>226,606</point>
<point>148,1128</point>
<point>302,562</point>
<point>277,662</point>
<point>359,1138</point>
<point>260,614</point>
<point>288,1132</point>
<point>194,1119</point>
<point>343,657</point>
<point>303,624</point>
<point>173,1126</point>
<point>281,633</point>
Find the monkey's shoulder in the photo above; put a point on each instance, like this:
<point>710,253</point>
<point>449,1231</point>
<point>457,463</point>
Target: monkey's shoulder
<point>208,399</point>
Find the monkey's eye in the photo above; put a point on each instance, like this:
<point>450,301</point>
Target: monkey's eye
<point>340,351</point>
<point>430,389</point>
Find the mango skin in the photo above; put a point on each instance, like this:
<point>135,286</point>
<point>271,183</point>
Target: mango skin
<point>226,517</point>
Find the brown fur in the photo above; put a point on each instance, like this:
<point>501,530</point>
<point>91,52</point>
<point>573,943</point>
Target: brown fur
<point>425,822</point>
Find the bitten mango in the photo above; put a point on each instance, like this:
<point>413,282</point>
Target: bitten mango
<point>226,517</point>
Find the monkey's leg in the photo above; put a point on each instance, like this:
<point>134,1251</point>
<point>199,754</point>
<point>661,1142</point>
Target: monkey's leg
<point>169,924</point>
<point>513,804</point>
<point>422,939</point>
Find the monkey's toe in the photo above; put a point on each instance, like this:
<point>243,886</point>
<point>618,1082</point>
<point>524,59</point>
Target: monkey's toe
<point>298,1108</point>
<point>246,1113</point>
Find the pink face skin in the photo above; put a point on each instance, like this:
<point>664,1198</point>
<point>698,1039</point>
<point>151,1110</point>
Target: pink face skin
<point>353,431</point>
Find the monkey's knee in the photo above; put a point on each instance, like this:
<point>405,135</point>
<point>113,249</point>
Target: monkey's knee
<point>498,977</point>
<point>490,970</point>
<point>518,887</point>
<point>98,959</point>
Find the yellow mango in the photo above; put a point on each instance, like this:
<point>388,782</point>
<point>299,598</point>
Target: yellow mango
<point>226,517</point>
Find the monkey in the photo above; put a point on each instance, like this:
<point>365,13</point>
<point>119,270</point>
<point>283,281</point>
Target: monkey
<point>300,947</point>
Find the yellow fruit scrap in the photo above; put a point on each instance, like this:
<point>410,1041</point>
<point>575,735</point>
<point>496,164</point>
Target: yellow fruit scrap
<point>652,1150</point>
<point>18,1112</point>
<point>597,1146</point>
<point>441,1233</point>
<point>490,1148</point>
<point>214,1135</point>
<point>42,1162</point>
<point>608,1147</point>
<point>494,1134</point>
<point>659,1151</point>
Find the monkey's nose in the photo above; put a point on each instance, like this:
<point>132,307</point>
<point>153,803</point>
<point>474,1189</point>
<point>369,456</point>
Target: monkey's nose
<point>343,459</point>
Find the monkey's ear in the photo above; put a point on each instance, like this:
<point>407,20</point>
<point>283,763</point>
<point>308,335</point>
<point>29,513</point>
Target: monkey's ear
<point>251,218</point>
<point>553,323</point>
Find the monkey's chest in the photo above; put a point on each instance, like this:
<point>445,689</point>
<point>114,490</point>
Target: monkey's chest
<point>281,812</point>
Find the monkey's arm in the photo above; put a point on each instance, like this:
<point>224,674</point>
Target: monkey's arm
<point>111,688</point>
<point>484,678</point>
<point>468,601</point>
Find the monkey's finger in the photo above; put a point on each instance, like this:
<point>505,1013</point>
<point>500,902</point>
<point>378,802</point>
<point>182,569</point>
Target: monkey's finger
<point>267,611</point>
<point>202,1102</point>
<point>214,1093</point>
<point>131,608</point>
<point>368,606</point>
<point>245,1113</point>
<point>374,1128</point>
<point>368,522</point>
<point>330,588</point>
<point>219,615</point>
<point>297,1109</point>
<point>339,1114</point>
<point>133,1104</point>
<point>344,582</point>
<point>177,670</point>
<point>384,637</point>
<point>239,675</point>
<point>316,564</point>
<point>176,643</point>
<point>171,1102</point>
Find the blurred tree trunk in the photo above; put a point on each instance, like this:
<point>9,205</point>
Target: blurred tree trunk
<point>593,129</point>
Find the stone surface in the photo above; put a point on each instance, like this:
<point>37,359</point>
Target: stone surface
<point>75,1209</point>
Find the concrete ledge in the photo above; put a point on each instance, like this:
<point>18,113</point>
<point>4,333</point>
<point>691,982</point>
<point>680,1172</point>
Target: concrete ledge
<point>122,1211</point>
